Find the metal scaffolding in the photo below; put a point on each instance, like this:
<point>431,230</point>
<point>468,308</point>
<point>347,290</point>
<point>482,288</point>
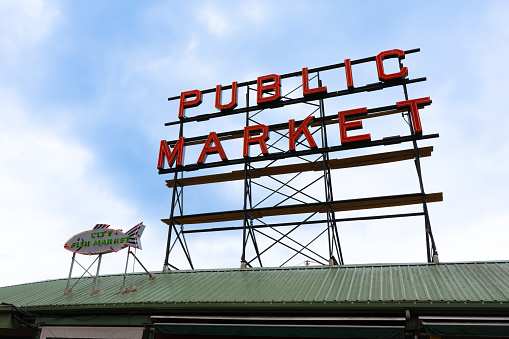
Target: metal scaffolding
<point>286,170</point>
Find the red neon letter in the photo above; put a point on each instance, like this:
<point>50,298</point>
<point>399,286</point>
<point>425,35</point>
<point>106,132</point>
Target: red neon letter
<point>189,103</point>
<point>414,111</point>
<point>233,102</point>
<point>303,129</point>
<point>207,149</point>
<point>261,88</point>
<point>164,151</point>
<point>253,140</point>
<point>305,84</point>
<point>346,126</point>
<point>348,70</point>
<point>380,65</point>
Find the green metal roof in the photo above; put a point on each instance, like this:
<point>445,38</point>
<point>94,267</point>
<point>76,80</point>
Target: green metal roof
<point>483,284</point>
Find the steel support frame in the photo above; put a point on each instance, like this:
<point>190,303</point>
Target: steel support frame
<point>68,290</point>
<point>304,249</point>
<point>249,230</point>
<point>123,289</point>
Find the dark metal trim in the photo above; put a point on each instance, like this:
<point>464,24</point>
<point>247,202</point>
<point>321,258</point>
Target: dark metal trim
<point>276,318</point>
<point>375,217</point>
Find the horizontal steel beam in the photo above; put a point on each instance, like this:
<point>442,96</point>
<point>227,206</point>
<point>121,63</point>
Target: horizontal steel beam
<point>337,206</point>
<point>309,222</point>
<point>363,160</point>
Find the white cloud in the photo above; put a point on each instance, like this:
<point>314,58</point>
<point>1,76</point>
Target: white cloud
<point>25,23</point>
<point>258,12</point>
<point>483,238</point>
<point>49,190</point>
<point>223,20</point>
<point>214,19</point>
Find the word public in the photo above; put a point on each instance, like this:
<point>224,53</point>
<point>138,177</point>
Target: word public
<point>268,89</point>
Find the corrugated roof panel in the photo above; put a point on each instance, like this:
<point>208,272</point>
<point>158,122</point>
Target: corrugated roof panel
<point>318,292</point>
<point>471,284</point>
<point>271,287</point>
<point>477,282</point>
<point>445,285</point>
<point>313,283</point>
<point>351,275</point>
<point>491,275</point>
<point>428,290</point>
<point>302,285</point>
<point>482,275</point>
<point>433,286</point>
<point>357,293</point>
<point>409,283</point>
<point>458,284</point>
<point>382,288</point>
<point>399,292</point>
<point>293,284</point>
<point>373,284</point>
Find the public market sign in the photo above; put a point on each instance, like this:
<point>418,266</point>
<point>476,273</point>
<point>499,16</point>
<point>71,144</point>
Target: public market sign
<point>320,135</point>
<point>102,239</point>
<point>268,95</point>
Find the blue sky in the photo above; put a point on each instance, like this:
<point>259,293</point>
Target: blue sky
<point>84,90</point>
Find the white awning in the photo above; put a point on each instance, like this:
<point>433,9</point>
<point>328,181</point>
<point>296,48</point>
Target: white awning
<point>49,332</point>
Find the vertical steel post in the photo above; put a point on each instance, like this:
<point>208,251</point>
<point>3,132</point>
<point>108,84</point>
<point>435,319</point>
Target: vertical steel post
<point>70,271</point>
<point>247,192</point>
<point>126,264</point>
<point>174,202</point>
<point>247,230</point>
<point>67,290</point>
<point>332,230</point>
<point>95,290</point>
<point>431,250</point>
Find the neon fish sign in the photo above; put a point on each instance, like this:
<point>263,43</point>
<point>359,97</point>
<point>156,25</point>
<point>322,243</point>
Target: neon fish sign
<point>102,239</point>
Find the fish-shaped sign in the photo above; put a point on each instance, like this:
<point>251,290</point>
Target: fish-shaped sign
<point>102,239</point>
